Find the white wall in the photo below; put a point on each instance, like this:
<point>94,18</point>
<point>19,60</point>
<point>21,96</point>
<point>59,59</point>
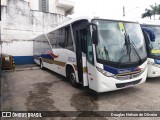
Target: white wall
<point>19,22</point>
<point>54,9</point>
<point>18,48</point>
<point>4,2</point>
<point>20,25</point>
<point>34,4</point>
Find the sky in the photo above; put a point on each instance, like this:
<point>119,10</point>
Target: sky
<point>111,8</point>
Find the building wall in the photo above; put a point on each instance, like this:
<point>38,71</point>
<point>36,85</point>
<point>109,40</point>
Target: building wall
<point>54,9</point>
<point>4,2</point>
<point>20,25</point>
<point>22,51</point>
<point>34,4</point>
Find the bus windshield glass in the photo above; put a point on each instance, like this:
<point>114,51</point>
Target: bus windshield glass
<point>155,45</point>
<point>120,42</point>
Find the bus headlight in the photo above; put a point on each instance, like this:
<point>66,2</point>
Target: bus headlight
<point>108,74</point>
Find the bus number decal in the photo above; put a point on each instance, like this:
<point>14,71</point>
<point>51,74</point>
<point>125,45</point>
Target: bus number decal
<point>71,59</point>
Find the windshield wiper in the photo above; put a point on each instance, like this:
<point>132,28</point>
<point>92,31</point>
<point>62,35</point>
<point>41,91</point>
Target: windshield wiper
<point>127,44</point>
<point>134,48</point>
<point>136,51</point>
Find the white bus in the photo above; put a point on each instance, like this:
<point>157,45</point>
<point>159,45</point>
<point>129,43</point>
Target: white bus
<point>153,47</point>
<point>103,54</point>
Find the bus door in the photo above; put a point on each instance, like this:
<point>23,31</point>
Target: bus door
<point>79,29</point>
<point>85,64</point>
<point>79,56</point>
<point>91,72</point>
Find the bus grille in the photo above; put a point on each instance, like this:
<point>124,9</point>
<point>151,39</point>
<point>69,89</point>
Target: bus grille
<point>126,77</point>
<point>121,85</point>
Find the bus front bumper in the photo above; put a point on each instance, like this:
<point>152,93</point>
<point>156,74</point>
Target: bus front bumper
<point>153,71</point>
<point>106,84</point>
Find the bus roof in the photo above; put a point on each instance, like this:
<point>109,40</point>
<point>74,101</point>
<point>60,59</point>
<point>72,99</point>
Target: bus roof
<point>149,22</point>
<point>89,19</point>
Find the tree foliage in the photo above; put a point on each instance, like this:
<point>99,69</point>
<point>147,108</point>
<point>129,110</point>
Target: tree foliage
<point>152,11</point>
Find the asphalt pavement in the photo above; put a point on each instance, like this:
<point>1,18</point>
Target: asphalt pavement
<point>33,89</point>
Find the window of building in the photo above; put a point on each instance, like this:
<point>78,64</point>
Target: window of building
<point>43,5</point>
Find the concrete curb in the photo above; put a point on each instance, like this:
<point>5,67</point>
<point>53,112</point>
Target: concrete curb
<point>22,69</point>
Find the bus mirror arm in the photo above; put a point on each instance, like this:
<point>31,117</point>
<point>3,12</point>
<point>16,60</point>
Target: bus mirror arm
<point>94,32</point>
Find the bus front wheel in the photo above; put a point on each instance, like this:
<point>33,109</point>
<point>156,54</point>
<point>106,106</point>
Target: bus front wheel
<point>41,64</point>
<point>72,78</point>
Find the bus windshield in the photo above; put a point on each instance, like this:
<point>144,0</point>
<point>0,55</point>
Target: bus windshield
<point>155,45</point>
<point>112,44</point>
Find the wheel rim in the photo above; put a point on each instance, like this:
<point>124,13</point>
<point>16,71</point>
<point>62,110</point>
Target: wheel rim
<point>72,77</point>
<point>41,65</point>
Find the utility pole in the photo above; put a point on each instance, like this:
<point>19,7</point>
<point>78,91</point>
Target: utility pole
<point>154,11</point>
<point>123,11</point>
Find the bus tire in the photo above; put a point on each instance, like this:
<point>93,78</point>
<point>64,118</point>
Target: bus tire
<point>72,77</point>
<point>41,64</point>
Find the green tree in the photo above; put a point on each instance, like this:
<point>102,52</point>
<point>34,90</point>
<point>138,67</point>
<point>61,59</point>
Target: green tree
<point>152,11</point>
<point>147,13</point>
<point>158,11</point>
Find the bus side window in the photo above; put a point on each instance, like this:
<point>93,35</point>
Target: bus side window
<point>52,37</point>
<point>68,39</point>
<point>61,38</point>
<point>90,56</point>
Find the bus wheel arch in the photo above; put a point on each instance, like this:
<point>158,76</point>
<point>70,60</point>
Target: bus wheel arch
<point>71,75</point>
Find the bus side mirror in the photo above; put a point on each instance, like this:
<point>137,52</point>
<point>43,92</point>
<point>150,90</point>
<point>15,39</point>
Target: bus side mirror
<point>94,32</point>
<point>150,33</point>
<point>95,37</point>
